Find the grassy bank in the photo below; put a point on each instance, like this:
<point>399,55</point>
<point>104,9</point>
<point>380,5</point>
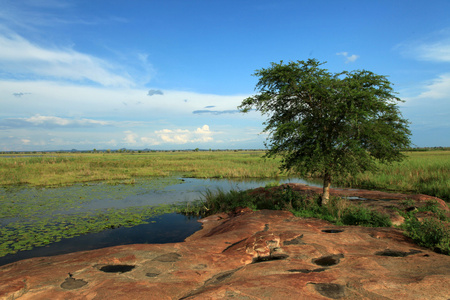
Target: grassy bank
<point>423,172</point>
<point>433,233</point>
<point>339,210</point>
<point>426,172</point>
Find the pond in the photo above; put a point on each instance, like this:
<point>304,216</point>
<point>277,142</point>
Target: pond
<point>38,222</point>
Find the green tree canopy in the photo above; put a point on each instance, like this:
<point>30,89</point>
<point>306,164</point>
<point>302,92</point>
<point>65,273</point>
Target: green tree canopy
<point>326,125</point>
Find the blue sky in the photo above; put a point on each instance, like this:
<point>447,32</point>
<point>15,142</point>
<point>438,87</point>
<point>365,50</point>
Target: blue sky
<point>170,74</point>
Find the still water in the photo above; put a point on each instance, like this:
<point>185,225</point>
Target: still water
<point>166,228</point>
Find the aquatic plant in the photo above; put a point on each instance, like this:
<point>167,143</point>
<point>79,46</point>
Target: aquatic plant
<point>32,217</point>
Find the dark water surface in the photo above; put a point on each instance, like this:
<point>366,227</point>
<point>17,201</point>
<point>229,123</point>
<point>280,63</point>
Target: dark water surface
<point>167,228</point>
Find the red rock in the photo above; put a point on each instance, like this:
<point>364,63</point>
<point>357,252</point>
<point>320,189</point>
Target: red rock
<point>249,255</point>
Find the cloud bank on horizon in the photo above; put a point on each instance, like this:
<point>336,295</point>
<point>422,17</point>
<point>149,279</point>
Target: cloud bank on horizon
<point>93,75</point>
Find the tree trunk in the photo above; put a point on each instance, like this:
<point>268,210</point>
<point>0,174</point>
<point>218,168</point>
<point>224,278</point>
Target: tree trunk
<point>326,189</point>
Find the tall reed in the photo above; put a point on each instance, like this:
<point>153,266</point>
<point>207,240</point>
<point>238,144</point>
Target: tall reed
<point>62,169</point>
<point>426,172</point>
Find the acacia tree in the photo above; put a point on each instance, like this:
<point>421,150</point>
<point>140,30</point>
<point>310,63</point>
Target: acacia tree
<point>326,125</point>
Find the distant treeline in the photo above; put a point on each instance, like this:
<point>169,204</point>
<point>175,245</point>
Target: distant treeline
<point>123,150</point>
<point>428,149</point>
<point>126,151</point>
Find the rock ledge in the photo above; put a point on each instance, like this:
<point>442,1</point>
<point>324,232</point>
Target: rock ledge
<point>245,255</point>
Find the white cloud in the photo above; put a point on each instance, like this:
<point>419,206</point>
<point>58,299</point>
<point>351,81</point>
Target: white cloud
<point>439,52</point>
<point>149,141</point>
<point>177,136</point>
<point>351,58</point>
<point>49,122</point>
<point>183,136</point>
<point>18,56</point>
<point>55,115</point>
<point>67,99</point>
<point>435,47</point>
<point>130,137</point>
<point>203,130</point>
<point>203,134</point>
<point>438,88</point>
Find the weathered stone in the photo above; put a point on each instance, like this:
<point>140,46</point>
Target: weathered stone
<point>73,284</point>
<point>330,290</point>
<point>299,259</point>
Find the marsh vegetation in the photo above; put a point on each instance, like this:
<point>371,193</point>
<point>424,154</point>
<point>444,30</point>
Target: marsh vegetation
<point>66,168</point>
<point>425,172</point>
<point>50,197</point>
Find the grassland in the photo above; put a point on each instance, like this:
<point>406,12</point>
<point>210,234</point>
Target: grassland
<point>63,169</point>
<point>426,172</point>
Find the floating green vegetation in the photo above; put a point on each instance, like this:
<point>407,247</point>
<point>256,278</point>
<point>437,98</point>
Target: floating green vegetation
<point>25,235</point>
<point>33,217</point>
<point>34,202</point>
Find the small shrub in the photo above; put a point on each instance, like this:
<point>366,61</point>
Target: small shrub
<point>430,233</point>
<point>272,184</point>
<point>362,216</point>
<point>338,210</point>
<point>221,201</point>
<point>433,207</point>
<point>433,232</point>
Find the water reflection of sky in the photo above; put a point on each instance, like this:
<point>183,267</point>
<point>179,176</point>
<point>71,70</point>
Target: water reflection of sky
<point>189,189</point>
<point>167,228</point>
<point>28,204</point>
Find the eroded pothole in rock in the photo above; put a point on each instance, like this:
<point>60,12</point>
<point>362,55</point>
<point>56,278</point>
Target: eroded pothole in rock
<point>116,268</point>
<point>306,271</point>
<point>326,261</point>
<point>332,230</point>
<point>330,290</point>
<point>296,241</point>
<point>168,257</point>
<point>396,253</point>
<point>216,279</point>
<point>72,283</point>
<point>260,259</point>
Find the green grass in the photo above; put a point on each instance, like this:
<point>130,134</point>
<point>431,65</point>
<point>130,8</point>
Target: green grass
<point>423,172</point>
<point>433,233</point>
<point>63,169</point>
<point>339,211</point>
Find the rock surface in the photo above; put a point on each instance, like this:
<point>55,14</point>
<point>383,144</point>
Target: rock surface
<point>244,255</point>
